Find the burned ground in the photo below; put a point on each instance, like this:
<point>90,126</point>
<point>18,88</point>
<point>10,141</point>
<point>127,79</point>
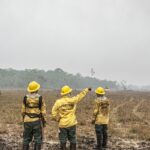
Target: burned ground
<point>129,121</point>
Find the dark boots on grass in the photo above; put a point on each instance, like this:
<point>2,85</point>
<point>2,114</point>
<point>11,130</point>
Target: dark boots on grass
<point>36,147</point>
<point>101,142</point>
<point>63,146</point>
<point>25,147</point>
<point>72,146</point>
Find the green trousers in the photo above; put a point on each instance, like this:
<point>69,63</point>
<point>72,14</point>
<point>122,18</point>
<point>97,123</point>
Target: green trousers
<point>32,130</point>
<point>101,135</point>
<point>67,134</point>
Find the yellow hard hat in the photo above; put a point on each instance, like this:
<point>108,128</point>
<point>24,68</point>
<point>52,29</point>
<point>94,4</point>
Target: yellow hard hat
<point>100,91</point>
<point>33,86</point>
<point>65,90</point>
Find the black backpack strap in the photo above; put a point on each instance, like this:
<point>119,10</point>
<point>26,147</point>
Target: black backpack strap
<point>25,101</point>
<point>32,115</point>
<point>40,102</point>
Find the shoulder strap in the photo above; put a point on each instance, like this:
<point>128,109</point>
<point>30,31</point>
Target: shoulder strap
<point>40,102</point>
<point>25,101</point>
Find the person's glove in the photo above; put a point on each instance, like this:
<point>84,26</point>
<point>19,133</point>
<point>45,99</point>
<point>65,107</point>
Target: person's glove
<point>57,119</point>
<point>93,122</point>
<point>90,89</point>
<point>44,123</point>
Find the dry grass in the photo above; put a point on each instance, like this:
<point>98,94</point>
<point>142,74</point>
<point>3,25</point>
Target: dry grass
<point>130,114</point>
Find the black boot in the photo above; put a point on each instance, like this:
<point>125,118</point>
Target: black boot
<point>63,146</point>
<point>97,147</point>
<point>72,146</point>
<point>37,147</point>
<point>25,147</point>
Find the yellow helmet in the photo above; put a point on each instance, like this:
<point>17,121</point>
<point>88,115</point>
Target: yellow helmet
<point>100,91</point>
<point>65,90</point>
<point>33,86</point>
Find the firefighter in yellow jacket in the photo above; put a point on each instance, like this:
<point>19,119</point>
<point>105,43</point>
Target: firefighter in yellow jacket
<point>64,111</point>
<point>101,118</point>
<point>33,113</point>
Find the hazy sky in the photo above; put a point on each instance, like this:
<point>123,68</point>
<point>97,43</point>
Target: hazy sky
<point>112,36</point>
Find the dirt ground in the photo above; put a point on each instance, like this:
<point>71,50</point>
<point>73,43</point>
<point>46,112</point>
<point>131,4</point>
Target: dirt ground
<point>129,127</point>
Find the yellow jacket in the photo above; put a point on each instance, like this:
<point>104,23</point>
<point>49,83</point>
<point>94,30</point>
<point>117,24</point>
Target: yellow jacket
<point>101,110</point>
<point>64,110</point>
<point>33,100</point>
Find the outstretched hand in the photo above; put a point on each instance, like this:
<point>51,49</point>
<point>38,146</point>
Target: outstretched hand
<point>90,89</point>
<point>93,122</point>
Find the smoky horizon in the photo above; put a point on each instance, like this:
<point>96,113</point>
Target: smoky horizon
<point>112,37</point>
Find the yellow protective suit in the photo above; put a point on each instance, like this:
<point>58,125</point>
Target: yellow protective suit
<point>101,110</point>
<point>64,109</point>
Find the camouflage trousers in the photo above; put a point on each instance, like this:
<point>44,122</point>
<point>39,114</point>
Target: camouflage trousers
<point>67,134</point>
<point>32,130</point>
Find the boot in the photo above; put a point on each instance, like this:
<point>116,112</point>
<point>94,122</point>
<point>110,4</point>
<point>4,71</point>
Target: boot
<point>72,146</point>
<point>97,147</point>
<point>63,146</point>
<point>25,147</point>
<point>104,145</point>
<point>37,147</point>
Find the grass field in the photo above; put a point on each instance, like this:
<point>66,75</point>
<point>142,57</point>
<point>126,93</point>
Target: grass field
<point>129,118</point>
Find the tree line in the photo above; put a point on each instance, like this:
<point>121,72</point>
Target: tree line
<point>54,79</point>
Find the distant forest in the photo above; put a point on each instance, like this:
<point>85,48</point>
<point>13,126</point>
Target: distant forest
<point>52,79</point>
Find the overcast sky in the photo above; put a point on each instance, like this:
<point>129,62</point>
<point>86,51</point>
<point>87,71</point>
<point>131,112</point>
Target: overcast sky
<point>112,36</point>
